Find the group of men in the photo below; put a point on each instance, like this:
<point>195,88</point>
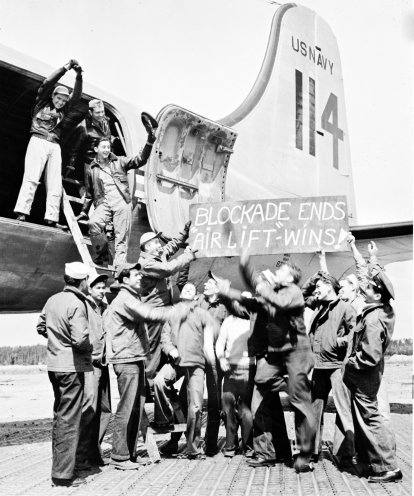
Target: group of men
<point>245,348</point>
<point>104,174</point>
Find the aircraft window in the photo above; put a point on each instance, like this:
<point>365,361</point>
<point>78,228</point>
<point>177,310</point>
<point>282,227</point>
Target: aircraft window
<point>17,97</point>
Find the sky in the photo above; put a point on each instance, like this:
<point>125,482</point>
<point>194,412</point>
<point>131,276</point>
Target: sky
<point>205,55</point>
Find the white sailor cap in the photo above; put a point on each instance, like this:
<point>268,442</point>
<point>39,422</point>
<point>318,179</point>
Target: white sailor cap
<point>77,270</point>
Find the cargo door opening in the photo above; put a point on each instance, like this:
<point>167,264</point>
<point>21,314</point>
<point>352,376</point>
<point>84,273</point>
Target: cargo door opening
<point>17,97</point>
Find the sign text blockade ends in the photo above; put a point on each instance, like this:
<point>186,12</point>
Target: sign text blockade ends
<point>291,225</point>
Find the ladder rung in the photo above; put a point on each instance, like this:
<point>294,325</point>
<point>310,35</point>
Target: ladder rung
<point>74,199</point>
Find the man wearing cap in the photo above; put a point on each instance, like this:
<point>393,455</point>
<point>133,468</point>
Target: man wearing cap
<point>48,119</point>
<point>88,133</point>
<point>96,412</point>
<point>106,183</point>
<point>364,366</point>
<point>128,349</point>
<point>331,323</point>
<point>64,323</point>
<point>157,268</point>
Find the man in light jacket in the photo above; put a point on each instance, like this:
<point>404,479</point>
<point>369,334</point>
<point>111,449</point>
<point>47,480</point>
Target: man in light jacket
<point>128,349</point>
<point>64,323</point>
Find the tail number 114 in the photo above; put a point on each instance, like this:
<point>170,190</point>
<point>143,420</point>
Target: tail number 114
<point>329,118</point>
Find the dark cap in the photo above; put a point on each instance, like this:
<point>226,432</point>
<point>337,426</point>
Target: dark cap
<point>211,275</point>
<point>92,280</point>
<point>126,266</point>
<point>147,118</point>
<point>384,285</point>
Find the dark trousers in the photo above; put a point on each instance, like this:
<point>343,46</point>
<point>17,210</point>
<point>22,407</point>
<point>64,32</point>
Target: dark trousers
<point>323,380</point>
<point>374,439</point>
<point>269,379</point>
<point>131,387</point>
<point>67,412</point>
<point>236,401</point>
<point>156,358</point>
<point>194,377</point>
<point>96,414</point>
<point>214,378</point>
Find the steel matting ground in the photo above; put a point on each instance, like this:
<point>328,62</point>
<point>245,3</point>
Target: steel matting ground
<point>25,464</point>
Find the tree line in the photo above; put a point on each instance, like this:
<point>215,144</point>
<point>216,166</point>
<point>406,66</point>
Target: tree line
<point>35,354</point>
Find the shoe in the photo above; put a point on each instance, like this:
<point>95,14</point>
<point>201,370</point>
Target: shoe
<point>261,462</point>
<point>303,464</point>
<point>192,456</point>
<point>169,449</point>
<point>84,465</point>
<point>141,461</point>
<point>229,453</point>
<point>212,452</point>
<point>388,476</point>
<point>347,461</point>
<point>249,453</point>
<point>77,481</point>
<point>21,217</point>
<point>124,464</point>
<point>286,460</point>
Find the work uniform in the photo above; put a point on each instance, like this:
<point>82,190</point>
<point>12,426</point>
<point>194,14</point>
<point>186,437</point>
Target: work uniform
<point>287,352</point>
<point>107,188</point>
<point>188,337</point>
<point>96,411</point>
<point>238,381</point>
<point>86,137</point>
<point>64,323</point>
<point>44,147</point>
<point>364,366</point>
<point>156,291</point>
<point>128,348</point>
<point>214,377</point>
<point>330,326</point>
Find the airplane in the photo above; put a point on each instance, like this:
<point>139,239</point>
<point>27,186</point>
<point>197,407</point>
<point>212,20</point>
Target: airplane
<point>288,138</point>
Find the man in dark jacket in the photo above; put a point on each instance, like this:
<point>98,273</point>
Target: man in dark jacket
<point>64,323</point>
<point>94,127</point>
<point>331,323</point>
<point>96,411</point>
<point>288,351</point>
<point>49,117</point>
<point>106,183</point>
<point>157,267</point>
<point>189,343</point>
<point>213,303</point>
<point>127,350</point>
<point>364,366</point>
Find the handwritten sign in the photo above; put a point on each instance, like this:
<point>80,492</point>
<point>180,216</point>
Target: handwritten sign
<point>292,225</point>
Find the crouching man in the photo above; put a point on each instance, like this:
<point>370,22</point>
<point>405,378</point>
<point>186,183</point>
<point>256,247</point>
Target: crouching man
<point>127,350</point>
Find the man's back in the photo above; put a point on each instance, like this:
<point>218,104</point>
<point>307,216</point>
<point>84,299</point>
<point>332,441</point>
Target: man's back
<point>64,322</point>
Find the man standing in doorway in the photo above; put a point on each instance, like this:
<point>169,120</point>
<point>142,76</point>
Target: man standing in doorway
<point>106,183</point>
<point>51,107</point>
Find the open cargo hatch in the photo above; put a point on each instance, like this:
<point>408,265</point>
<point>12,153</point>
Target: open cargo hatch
<point>188,165</point>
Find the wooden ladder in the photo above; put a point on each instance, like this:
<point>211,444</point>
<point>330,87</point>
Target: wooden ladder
<point>77,235</point>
